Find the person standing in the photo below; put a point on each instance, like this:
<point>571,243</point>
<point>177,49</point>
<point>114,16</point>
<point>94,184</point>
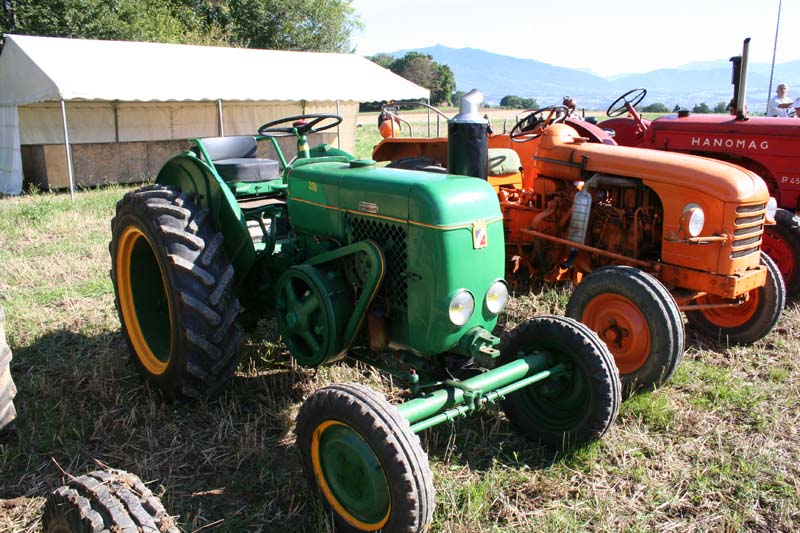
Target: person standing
<point>780,105</point>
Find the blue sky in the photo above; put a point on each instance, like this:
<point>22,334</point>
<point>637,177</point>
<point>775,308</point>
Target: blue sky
<point>609,37</point>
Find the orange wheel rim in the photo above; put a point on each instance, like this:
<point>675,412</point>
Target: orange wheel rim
<point>730,317</point>
<point>623,327</point>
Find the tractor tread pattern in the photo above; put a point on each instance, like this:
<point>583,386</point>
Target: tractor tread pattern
<point>597,364</point>
<point>391,438</point>
<point>102,501</point>
<point>200,285</point>
<point>8,390</point>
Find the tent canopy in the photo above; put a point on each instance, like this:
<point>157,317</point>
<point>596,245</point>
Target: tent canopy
<point>38,69</point>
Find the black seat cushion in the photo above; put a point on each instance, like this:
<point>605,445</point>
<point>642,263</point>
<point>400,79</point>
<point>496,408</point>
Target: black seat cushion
<point>230,147</point>
<point>248,169</point>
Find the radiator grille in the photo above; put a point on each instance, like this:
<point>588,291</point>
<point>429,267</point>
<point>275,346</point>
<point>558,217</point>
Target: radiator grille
<point>749,227</point>
<point>392,240</point>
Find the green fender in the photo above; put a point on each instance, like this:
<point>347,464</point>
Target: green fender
<point>190,174</point>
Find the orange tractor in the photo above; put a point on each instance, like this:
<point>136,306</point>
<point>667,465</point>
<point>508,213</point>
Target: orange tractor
<point>644,234</point>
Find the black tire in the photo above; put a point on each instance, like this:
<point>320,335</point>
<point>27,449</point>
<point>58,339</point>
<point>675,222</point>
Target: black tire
<point>592,375</point>
<point>170,273</point>
<point>7,388</point>
<point>365,416</point>
<point>782,244</point>
<point>749,322</point>
<point>111,500</point>
<point>637,318</point>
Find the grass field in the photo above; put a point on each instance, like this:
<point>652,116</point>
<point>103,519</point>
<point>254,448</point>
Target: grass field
<point>717,449</point>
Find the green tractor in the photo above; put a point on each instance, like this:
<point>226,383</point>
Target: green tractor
<point>400,269</point>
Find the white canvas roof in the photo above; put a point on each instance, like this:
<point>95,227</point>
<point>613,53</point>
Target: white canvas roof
<point>37,69</point>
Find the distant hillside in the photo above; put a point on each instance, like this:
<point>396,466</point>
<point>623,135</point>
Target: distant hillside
<point>702,81</point>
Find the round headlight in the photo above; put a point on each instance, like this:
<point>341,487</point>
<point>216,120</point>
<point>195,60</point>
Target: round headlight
<point>693,219</point>
<point>772,209</point>
<point>497,297</point>
<point>461,307</point>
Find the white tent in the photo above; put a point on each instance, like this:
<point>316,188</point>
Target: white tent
<point>62,91</point>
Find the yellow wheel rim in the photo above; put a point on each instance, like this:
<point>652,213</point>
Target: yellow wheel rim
<point>134,248</point>
<point>363,466</point>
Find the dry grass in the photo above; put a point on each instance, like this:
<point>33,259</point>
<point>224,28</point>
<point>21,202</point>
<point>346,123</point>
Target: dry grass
<point>717,449</point>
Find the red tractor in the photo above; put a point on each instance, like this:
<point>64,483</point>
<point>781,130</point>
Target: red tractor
<point>768,146</point>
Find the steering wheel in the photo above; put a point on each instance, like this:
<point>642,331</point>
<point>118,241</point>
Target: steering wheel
<point>533,125</point>
<point>300,124</point>
<point>620,105</point>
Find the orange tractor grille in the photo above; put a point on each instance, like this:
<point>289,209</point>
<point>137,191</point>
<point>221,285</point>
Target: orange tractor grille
<point>749,227</point>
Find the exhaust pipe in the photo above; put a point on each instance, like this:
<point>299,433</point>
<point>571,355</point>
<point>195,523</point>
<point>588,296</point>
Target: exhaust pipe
<point>468,139</point>
<point>739,81</point>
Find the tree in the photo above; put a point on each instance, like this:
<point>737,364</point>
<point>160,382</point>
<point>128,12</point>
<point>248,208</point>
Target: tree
<point>455,98</point>
<point>424,71</point>
<point>517,102</point>
<point>676,108</point>
<point>702,107</point>
<point>311,25</point>
<point>721,107</point>
<point>657,107</point>
<point>384,60</point>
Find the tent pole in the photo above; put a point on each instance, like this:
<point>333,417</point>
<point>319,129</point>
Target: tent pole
<point>338,133</point>
<point>69,152</point>
<point>219,113</point>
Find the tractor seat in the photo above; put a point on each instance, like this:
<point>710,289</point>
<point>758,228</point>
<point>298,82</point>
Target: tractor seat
<point>235,159</point>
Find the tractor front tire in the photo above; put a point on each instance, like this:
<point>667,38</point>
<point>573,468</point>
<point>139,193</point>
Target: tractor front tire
<point>571,409</point>
<point>174,292</point>
<point>781,242</point>
<point>7,388</point>
<point>748,322</point>
<point>637,318</point>
<point>111,500</point>
<point>363,458</point>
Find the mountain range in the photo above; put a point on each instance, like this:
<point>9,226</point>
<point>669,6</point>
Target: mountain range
<point>707,82</point>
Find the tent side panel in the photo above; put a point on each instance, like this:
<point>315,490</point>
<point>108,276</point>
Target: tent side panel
<point>88,122</point>
<point>10,158</point>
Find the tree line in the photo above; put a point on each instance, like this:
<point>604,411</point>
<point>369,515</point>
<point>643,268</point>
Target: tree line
<point>306,25</point>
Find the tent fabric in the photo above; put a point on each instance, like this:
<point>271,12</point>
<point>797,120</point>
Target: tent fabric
<point>39,69</point>
<point>10,159</point>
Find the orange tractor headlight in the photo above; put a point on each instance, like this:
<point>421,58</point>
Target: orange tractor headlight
<point>693,219</point>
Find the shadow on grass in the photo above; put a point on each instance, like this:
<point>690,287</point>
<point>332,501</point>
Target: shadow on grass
<point>81,401</point>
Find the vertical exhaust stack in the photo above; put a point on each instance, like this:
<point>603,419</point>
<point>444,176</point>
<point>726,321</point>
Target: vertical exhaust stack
<point>468,139</point>
<point>739,81</point>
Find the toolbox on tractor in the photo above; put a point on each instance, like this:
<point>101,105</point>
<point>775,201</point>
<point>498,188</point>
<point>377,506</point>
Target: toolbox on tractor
<point>643,234</point>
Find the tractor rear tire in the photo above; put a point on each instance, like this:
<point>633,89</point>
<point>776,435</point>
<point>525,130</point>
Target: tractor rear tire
<point>569,410</point>
<point>7,388</point>
<point>174,292</point>
<point>748,322</point>
<point>781,242</point>
<point>111,500</point>
<point>637,318</point>
<point>363,458</point>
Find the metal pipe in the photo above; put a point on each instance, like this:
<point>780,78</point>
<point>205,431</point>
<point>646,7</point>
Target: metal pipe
<point>436,402</point>
<point>618,257</point>
<point>774,50</point>
<point>338,133</point>
<point>742,96</point>
<point>490,397</point>
<point>69,152</point>
<point>219,118</point>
